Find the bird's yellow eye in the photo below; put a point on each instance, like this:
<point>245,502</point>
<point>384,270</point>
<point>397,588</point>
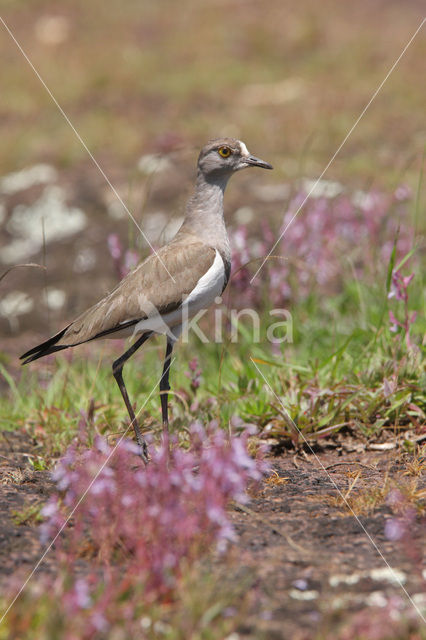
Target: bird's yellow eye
<point>225,152</point>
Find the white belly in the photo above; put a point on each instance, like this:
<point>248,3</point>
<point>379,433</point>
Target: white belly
<point>208,287</point>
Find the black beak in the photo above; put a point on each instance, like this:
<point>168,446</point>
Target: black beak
<point>252,161</point>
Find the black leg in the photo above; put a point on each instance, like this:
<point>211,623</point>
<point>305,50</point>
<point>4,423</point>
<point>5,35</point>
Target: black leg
<point>164,384</point>
<point>117,370</point>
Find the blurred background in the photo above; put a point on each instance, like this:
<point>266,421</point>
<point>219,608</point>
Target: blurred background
<point>146,84</point>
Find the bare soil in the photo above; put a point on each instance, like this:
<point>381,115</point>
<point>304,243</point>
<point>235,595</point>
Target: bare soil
<point>316,563</point>
<point>313,563</point>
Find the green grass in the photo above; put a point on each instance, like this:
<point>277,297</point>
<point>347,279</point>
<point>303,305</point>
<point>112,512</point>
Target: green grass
<point>332,374</point>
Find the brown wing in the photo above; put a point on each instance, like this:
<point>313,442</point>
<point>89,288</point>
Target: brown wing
<point>157,285</point>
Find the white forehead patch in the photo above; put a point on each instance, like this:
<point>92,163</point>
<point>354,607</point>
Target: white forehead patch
<point>244,150</point>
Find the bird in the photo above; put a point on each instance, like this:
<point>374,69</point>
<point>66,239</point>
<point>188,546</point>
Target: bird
<point>171,285</point>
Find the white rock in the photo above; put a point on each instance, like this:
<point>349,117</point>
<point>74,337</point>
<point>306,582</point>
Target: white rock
<point>145,622</point>
<point>13,305</point>
<point>16,303</point>
<point>334,581</point>
<point>303,595</point>
<point>271,192</point>
<point>20,180</point>
<point>243,215</point>
<point>394,576</point>
<point>322,188</point>
<point>115,209</point>
<point>363,200</point>
<point>152,163</point>
<point>419,600</point>
<point>47,219</point>
<point>18,251</point>
<point>55,298</point>
<point>85,260</point>
<point>376,599</point>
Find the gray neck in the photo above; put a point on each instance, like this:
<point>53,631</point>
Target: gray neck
<point>204,212</point>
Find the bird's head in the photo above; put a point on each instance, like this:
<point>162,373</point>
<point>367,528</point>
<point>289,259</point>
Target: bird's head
<point>222,157</point>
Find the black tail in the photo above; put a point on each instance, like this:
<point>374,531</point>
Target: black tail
<point>44,348</point>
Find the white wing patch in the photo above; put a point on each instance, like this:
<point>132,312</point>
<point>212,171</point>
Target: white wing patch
<point>208,287</point>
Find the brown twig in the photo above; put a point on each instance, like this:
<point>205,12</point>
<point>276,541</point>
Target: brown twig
<point>15,266</point>
<point>340,464</point>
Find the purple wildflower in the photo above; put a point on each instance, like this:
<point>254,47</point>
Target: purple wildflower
<point>159,514</point>
<point>361,227</point>
<point>194,374</point>
<point>125,261</point>
<point>399,291</point>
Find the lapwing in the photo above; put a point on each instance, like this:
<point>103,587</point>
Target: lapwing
<point>170,286</point>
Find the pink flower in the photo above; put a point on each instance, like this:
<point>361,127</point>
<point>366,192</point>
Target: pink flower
<point>159,514</point>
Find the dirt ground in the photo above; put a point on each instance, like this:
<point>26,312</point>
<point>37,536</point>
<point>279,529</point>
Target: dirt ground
<point>312,562</point>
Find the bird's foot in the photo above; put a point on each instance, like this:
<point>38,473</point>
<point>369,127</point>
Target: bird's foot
<point>143,448</point>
